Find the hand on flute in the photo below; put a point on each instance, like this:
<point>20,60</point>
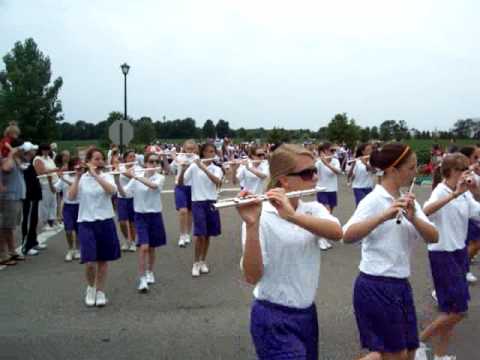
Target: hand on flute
<point>279,200</point>
<point>250,213</point>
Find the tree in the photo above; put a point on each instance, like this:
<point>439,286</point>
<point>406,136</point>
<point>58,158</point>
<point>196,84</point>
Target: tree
<point>278,136</point>
<point>374,133</point>
<point>343,130</point>
<point>144,130</point>
<point>208,130</point>
<point>27,95</point>
<point>222,128</point>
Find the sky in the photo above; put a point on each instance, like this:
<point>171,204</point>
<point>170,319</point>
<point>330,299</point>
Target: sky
<point>292,64</point>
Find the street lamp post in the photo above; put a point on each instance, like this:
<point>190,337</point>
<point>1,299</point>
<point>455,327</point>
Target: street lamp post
<point>125,67</point>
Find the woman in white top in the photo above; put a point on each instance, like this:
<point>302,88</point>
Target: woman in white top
<point>328,168</point>
<point>44,165</point>
<point>183,193</point>
<point>146,189</point>
<point>204,177</point>
<point>382,297</point>
<point>282,259</point>
<point>473,235</point>
<point>125,212</point>
<point>253,173</point>
<point>361,173</point>
<point>70,209</point>
<point>97,232</point>
<point>450,206</point>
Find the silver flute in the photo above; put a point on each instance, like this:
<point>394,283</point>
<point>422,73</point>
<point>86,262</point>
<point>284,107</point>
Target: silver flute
<point>235,202</point>
<point>402,212</point>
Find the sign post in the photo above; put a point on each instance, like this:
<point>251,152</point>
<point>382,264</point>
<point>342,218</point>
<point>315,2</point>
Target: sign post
<point>120,133</point>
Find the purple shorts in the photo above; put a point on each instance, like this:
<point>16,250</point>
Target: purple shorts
<point>206,219</point>
<point>183,197</point>
<point>360,193</point>
<point>281,332</point>
<point>473,231</point>
<point>150,229</point>
<point>98,241</point>
<point>385,313</point>
<point>328,198</point>
<point>448,273</point>
<point>70,217</point>
<point>125,209</point>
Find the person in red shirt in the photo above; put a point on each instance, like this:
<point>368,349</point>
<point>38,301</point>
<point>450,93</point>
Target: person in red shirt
<point>11,133</point>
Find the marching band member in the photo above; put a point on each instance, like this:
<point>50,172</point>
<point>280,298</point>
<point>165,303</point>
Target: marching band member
<point>125,211</point>
<point>282,259</point>
<point>96,228</point>
<point>361,173</point>
<point>147,201</point>
<point>183,193</point>
<point>473,235</point>
<point>44,165</point>
<point>204,177</point>
<point>251,175</point>
<point>70,210</point>
<point>328,168</point>
<point>449,207</point>
<point>382,296</point>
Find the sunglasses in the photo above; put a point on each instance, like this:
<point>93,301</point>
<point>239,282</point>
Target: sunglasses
<point>305,174</point>
<point>261,155</point>
<point>153,162</point>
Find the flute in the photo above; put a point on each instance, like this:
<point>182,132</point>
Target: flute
<point>250,199</point>
<point>401,212</point>
<point>138,170</point>
<point>358,158</point>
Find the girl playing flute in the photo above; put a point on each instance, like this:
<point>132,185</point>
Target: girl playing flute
<point>282,259</point>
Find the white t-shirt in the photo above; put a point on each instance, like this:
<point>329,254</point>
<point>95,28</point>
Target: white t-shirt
<point>124,180</point>
<point>49,164</point>
<point>63,187</point>
<point>326,177</point>
<point>177,168</point>
<point>291,257</point>
<point>145,199</point>
<point>362,177</point>
<point>251,182</point>
<point>202,187</point>
<point>452,219</point>
<point>387,249</point>
<point>95,203</point>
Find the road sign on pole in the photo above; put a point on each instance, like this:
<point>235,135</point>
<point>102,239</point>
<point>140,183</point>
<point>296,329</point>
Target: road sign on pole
<point>120,133</point>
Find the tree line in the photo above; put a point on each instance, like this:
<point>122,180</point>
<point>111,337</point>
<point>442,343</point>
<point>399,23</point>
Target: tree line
<point>29,96</point>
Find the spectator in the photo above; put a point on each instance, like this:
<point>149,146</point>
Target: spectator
<point>11,202</point>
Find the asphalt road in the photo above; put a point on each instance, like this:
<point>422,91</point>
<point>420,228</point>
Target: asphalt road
<point>42,314</point>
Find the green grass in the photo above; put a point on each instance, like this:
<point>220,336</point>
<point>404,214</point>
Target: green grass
<point>423,147</point>
<point>73,145</point>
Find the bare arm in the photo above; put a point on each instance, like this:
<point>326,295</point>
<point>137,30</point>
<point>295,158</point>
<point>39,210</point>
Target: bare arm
<point>256,172</point>
<point>437,205</point>
<point>334,169</point>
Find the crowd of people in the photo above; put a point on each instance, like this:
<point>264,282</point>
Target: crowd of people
<point>282,237</point>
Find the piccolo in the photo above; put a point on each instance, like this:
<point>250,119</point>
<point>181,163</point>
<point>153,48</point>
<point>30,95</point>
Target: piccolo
<point>250,199</point>
<point>401,212</point>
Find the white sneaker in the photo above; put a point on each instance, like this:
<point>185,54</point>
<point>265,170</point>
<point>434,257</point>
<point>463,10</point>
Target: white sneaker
<point>196,269</point>
<point>150,277</point>
<point>32,252</point>
<point>48,228</point>
<point>322,245</point>
<point>132,247</point>
<point>69,256</point>
<point>421,353</point>
<point>76,254</point>
<point>181,241</point>
<point>2,267</point>
<point>100,299</point>
<point>41,246</point>
<point>187,239</point>
<point>90,296</point>
<point>434,296</point>
<point>125,247</point>
<point>445,357</point>
<point>471,278</point>
<point>204,268</point>
<point>142,284</point>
